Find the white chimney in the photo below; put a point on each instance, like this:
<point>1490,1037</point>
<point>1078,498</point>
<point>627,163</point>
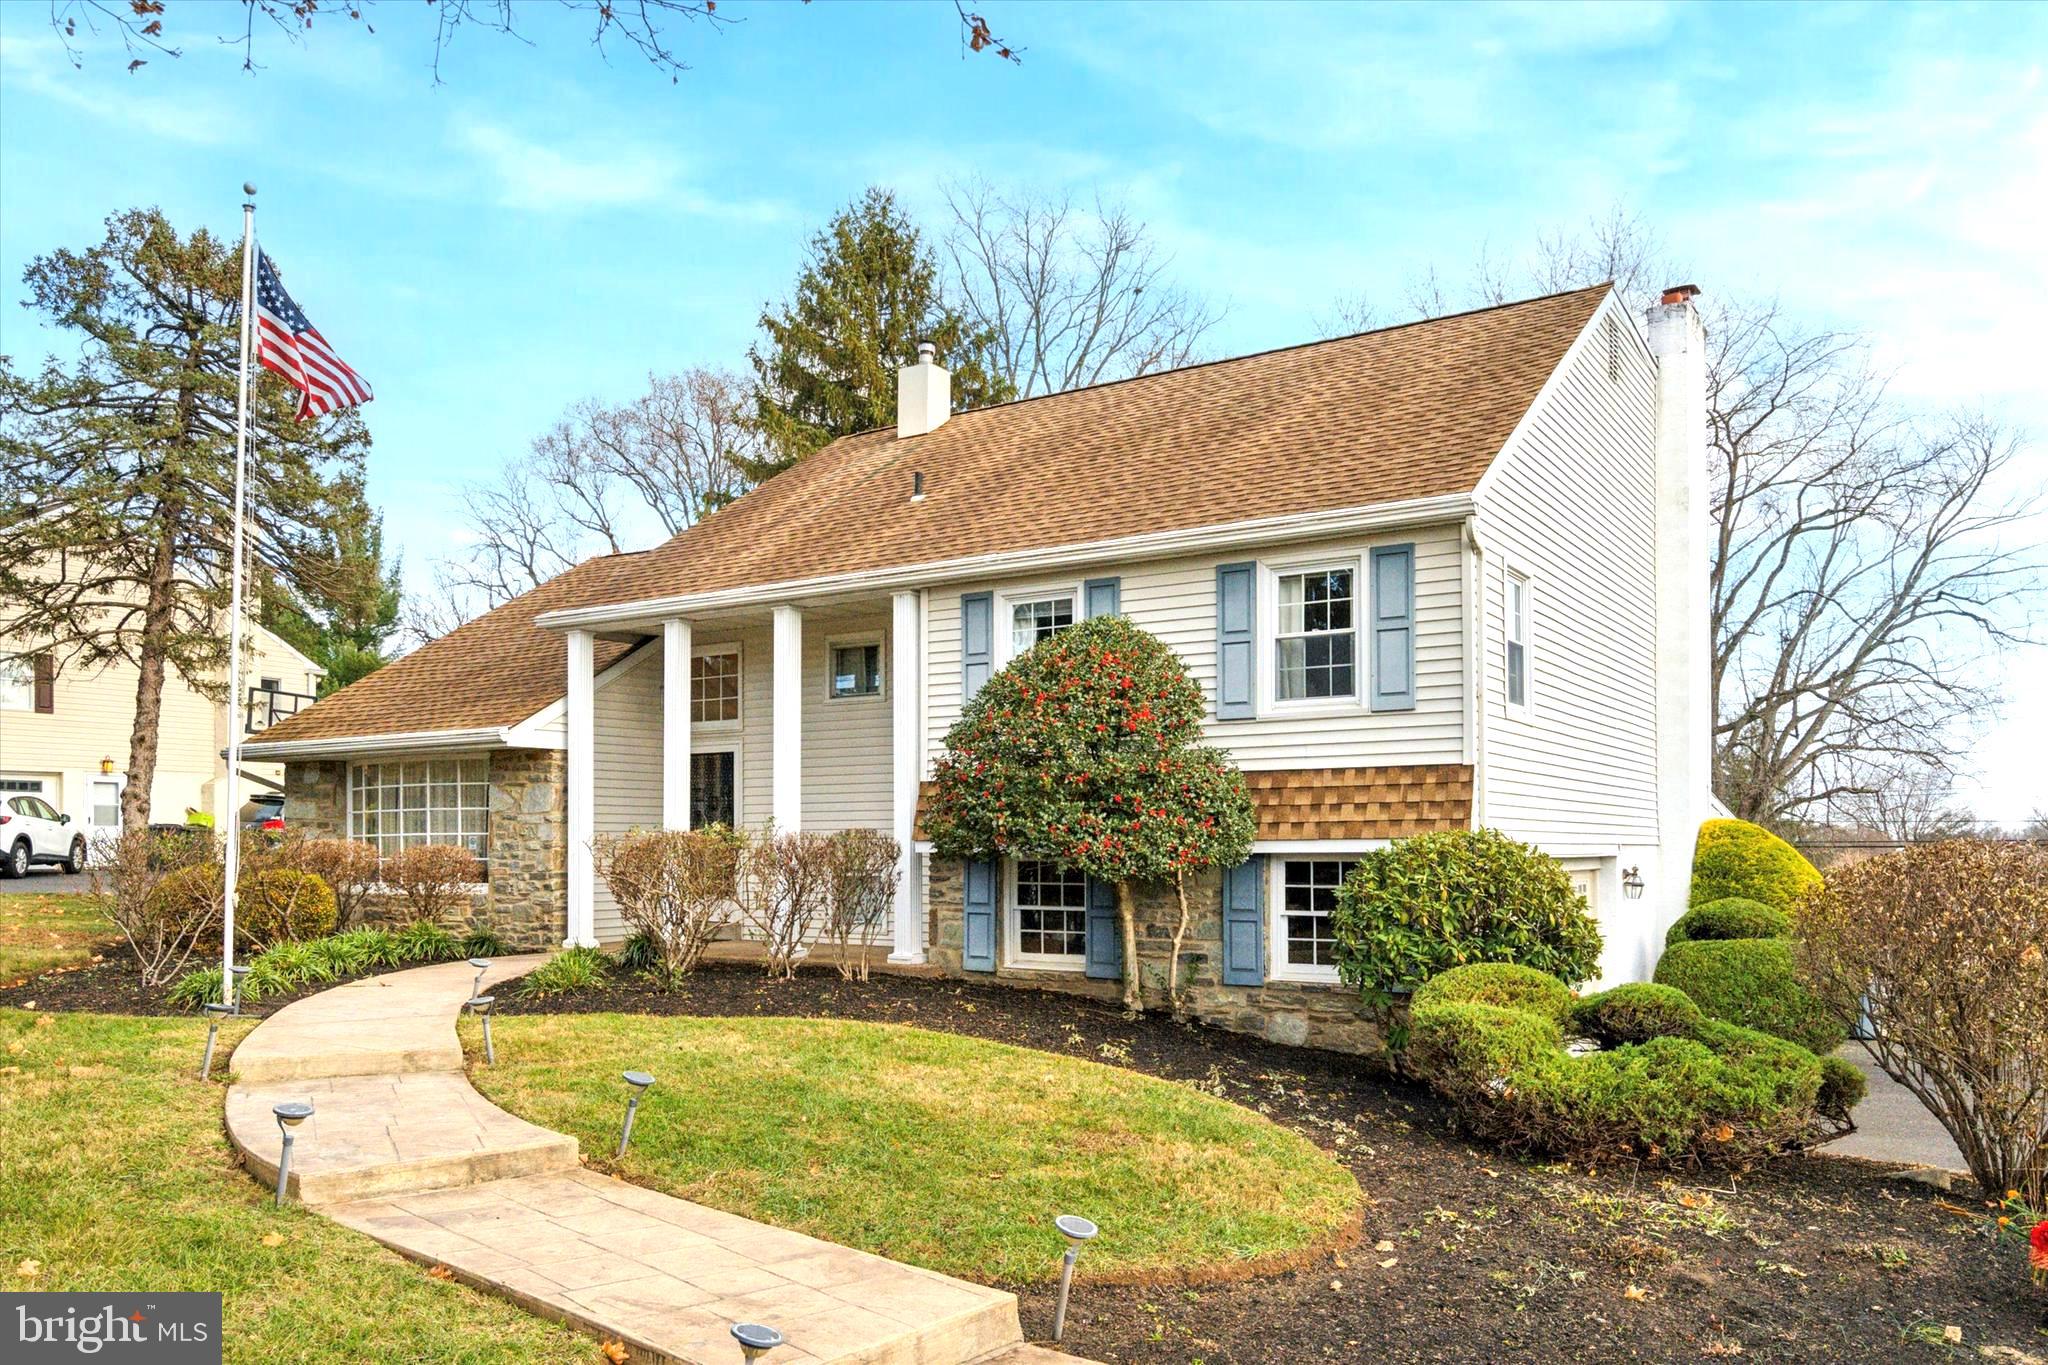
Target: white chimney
<point>924,394</point>
<point>1685,717</point>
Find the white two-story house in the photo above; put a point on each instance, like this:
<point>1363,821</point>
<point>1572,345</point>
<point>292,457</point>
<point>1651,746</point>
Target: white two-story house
<point>1437,576</point>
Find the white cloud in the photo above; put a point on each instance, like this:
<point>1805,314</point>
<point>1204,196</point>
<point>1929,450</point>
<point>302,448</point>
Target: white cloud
<point>38,66</point>
<point>614,174</point>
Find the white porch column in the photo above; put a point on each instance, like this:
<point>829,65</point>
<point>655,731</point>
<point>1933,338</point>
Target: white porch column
<point>675,724</point>
<point>786,797</point>
<point>582,802</point>
<point>906,746</point>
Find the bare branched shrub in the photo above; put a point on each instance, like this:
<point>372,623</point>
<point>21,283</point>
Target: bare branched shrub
<point>348,866</point>
<point>675,888</point>
<point>1948,943</point>
<point>785,890</point>
<point>432,880</point>
<point>859,894</point>
<point>162,892</point>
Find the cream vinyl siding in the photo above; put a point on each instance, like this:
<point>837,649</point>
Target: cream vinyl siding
<point>1571,504</point>
<point>93,718</point>
<point>626,728</point>
<point>846,759</point>
<point>1176,600</point>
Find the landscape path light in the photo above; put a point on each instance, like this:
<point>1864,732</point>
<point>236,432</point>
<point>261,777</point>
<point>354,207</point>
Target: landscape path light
<point>639,1080</point>
<point>290,1115</point>
<point>214,1011</point>
<point>755,1340</point>
<point>235,975</point>
<point>480,1006</point>
<point>482,965</point>
<point>1076,1230</point>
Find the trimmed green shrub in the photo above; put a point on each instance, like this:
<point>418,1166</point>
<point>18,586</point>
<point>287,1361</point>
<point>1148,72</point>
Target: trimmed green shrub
<point>1729,917</point>
<point>282,905</point>
<point>1502,984</point>
<point>1635,1013</point>
<point>573,969</point>
<point>190,892</point>
<point>1750,981</point>
<point>1723,1096</point>
<point>1435,902</point>
<point>1842,1088</point>
<point>1736,858</point>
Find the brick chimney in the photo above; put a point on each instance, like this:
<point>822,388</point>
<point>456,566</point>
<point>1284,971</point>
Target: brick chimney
<point>1684,691</point>
<point>924,394</point>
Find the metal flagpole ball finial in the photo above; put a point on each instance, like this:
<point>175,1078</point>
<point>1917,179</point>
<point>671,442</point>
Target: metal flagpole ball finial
<point>248,189</point>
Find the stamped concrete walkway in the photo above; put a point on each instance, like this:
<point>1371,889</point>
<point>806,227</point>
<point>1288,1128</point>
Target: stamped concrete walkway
<point>402,1148</point>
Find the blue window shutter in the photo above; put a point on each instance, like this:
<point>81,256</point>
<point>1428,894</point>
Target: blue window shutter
<point>977,642</point>
<point>978,916</point>
<point>1393,628</point>
<point>1102,597</point>
<point>1236,641</point>
<point>1244,922</point>
<point>1105,957</point>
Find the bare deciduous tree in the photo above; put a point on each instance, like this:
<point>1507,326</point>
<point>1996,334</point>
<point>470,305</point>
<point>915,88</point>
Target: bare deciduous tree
<point>1069,297</point>
<point>605,479</point>
<point>786,888</point>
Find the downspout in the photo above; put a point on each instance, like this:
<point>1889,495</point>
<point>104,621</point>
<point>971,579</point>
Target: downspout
<point>1475,667</point>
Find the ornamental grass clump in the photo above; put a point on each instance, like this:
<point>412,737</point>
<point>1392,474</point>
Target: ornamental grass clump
<point>1947,944</point>
<point>1490,1038</point>
<point>1086,751</point>
<point>1437,901</point>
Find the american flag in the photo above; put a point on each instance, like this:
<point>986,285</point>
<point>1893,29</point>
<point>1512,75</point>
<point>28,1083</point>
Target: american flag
<point>287,341</point>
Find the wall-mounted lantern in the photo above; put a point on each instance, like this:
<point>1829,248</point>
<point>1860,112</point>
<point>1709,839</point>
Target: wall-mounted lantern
<point>1632,883</point>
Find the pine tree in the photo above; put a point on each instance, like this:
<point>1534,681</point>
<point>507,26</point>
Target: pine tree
<point>869,292</point>
<point>119,473</point>
<point>345,631</point>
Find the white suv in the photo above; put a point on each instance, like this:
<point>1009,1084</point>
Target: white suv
<point>31,832</point>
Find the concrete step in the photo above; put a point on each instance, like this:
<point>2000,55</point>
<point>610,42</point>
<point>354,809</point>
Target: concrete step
<point>1029,1354</point>
<point>382,1135</point>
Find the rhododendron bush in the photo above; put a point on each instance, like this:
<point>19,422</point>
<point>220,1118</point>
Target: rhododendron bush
<point>1945,942</point>
<point>1086,751</point>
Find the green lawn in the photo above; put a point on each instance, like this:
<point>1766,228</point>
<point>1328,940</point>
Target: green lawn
<point>948,1152</point>
<point>114,1174</point>
<point>39,931</point>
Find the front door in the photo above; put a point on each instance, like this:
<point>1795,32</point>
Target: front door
<point>106,805</point>
<point>714,790</point>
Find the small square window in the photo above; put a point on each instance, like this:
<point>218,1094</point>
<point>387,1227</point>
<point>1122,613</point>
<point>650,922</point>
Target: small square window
<point>856,670</point>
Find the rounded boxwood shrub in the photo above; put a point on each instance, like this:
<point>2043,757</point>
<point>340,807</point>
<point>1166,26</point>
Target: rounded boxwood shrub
<point>1736,858</point>
<point>1425,905</point>
<point>1503,984</point>
<point>282,905</point>
<point>1750,981</point>
<point>1724,1096</point>
<point>1729,917</point>
<point>1842,1088</point>
<point>1635,1013</point>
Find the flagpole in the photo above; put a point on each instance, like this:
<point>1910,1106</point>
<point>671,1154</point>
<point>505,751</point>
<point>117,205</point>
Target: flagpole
<point>231,857</point>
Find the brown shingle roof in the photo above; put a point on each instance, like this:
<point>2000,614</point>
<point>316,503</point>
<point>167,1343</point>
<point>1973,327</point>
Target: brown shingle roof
<point>499,669</point>
<point>1407,412</point>
<point>1390,802</point>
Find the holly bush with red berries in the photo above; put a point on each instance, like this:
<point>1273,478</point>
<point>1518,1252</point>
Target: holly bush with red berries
<point>1087,751</point>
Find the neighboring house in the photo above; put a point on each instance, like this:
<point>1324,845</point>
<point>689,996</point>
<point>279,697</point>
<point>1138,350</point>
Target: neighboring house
<point>1436,576</point>
<point>64,731</point>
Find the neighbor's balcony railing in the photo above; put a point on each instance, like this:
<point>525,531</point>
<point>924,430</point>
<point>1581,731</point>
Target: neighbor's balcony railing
<point>266,707</point>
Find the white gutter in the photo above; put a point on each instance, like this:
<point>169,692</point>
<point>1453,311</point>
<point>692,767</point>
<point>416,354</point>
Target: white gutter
<point>346,746</point>
<point>1293,526</point>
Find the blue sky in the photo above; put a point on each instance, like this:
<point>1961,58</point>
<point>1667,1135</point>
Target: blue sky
<point>542,227</point>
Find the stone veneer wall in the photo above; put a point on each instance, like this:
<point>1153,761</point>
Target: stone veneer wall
<point>527,902</point>
<point>1280,1011</point>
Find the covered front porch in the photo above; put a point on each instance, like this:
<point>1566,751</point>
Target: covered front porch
<point>796,716</point>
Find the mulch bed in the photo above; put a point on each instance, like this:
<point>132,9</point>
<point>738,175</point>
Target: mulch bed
<point>1482,1257</point>
<point>112,986</point>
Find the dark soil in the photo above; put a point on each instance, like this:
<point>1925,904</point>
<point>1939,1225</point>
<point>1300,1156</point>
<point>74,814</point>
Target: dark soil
<point>1469,1254</point>
<point>113,986</point>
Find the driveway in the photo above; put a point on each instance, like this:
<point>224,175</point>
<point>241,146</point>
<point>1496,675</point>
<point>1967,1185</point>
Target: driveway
<point>47,881</point>
<point>1892,1125</point>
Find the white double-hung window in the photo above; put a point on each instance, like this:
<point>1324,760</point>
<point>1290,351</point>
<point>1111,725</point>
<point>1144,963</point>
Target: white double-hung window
<point>1315,638</point>
<point>1048,915</point>
<point>1038,618</point>
<point>401,803</point>
<point>1304,946</point>
<point>1517,634</point>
